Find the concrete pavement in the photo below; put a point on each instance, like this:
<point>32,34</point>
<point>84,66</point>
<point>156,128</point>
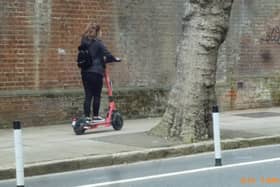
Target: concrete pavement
<point>56,148</point>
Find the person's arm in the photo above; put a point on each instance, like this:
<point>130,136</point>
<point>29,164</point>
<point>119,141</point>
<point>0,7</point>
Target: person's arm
<point>108,56</point>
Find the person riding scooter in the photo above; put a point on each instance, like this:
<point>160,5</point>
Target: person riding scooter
<point>92,77</point>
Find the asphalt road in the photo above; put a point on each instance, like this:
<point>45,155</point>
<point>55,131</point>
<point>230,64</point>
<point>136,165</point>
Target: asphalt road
<point>257,166</point>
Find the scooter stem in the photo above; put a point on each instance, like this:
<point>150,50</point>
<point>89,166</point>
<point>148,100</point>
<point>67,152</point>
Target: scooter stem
<point>108,83</point>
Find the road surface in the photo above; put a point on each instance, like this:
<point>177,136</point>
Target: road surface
<point>254,167</point>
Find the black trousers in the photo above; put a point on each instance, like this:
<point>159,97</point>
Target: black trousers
<point>93,83</point>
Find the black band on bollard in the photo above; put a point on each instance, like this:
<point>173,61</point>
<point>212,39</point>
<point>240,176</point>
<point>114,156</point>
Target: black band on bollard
<point>215,109</point>
<point>16,125</point>
<point>218,162</point>
<point>20,186</point>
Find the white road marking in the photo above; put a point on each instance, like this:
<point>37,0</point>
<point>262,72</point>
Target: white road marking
<point>180,173</point>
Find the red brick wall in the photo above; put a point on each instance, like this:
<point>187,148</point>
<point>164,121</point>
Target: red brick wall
<point>32,33</point>
<point>39,80</point>
<point>38,41</point>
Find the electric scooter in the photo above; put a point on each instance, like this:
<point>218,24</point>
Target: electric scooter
<point>113,117</point>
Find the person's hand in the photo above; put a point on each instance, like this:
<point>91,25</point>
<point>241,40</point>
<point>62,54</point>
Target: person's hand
<point>118,59</point>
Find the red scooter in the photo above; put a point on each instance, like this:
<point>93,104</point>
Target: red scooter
<point>113,117</point>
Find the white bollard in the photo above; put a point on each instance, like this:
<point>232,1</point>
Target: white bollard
<point>18,154</point>
<point>217,138</point>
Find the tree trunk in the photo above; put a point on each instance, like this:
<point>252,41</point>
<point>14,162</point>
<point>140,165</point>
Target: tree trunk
<point>188,113</point>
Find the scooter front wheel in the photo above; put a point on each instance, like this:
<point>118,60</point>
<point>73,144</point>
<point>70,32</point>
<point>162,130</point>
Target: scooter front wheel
<point>79,126</point>
<point>117,120</point>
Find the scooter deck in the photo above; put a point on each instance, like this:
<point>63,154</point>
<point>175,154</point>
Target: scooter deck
<point>92,125</point>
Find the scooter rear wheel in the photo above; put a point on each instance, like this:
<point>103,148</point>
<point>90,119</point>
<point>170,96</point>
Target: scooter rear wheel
<point>117,120</point>
<point>78,127</point>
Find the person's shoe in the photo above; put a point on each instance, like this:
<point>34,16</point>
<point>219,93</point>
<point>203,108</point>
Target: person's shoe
<point>98,119</point>
<point>88,119</point>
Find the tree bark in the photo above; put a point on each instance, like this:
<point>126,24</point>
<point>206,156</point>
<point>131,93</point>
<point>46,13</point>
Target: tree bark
<point>188,113</point>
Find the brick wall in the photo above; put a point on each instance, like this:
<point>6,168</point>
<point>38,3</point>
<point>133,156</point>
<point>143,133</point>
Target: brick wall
<point>40,83</point>
<point>248,65</point>
<point>39,40</point>
<point>49,108</point>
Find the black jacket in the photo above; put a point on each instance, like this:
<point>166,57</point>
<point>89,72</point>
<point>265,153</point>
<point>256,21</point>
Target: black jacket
<point>99,54</point>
